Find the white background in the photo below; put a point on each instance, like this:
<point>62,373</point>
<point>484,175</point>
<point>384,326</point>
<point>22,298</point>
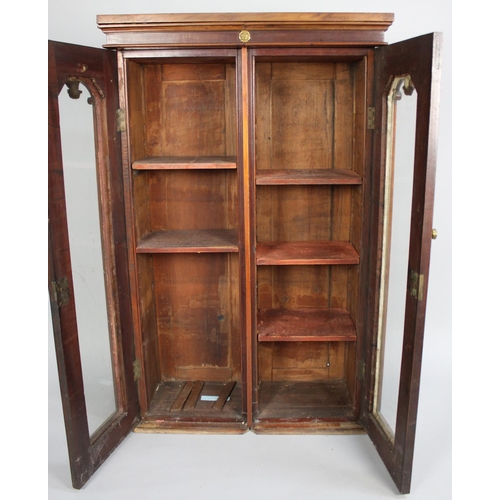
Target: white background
<point>263,466</point>
<point>252,466</point>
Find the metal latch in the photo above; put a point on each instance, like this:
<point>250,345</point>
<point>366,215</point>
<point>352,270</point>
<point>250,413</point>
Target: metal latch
<point>121,125</point>
<point>416,285</point>
<point>61,291</point>
<point>361,370</point>
<point>371,118</point>
<point>137,370</point>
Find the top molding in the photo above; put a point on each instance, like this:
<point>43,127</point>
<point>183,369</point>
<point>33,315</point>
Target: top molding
<point>214,29</point>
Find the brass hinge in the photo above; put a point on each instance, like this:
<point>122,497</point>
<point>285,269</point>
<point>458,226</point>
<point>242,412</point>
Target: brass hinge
<point>121,125</point>
<point>361,370</point>
<point>416,285</point>
<point>371,118</point>
<point>137,370</point>
<point>60,290</point>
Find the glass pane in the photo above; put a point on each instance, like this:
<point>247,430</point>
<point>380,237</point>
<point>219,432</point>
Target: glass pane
<point>82,206</point>
<point>400,150</point>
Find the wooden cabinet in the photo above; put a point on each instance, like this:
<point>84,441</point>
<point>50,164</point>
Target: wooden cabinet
<point>245,171</point>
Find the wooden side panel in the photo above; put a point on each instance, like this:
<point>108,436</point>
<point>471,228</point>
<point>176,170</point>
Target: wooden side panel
<point>263,108</point>
<point>231,125</point>
<point>153,126</point>
<point>142,205</point>
<point>149,327</point>
<point>136,111</point>
<point>343,127</point>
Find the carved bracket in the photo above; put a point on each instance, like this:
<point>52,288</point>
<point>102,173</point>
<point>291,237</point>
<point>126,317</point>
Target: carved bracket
<point>73,85</point>
<point>406,84</point>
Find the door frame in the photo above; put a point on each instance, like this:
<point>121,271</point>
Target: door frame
<point>96,70</point>
<point>420,58</point>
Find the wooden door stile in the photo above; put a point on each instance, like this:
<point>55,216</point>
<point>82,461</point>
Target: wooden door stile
<point>128,191</point>
<point>246,214</point>
<point>362,164</point>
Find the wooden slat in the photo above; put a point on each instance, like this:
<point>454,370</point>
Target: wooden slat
<point>306,253</point>
<point>203,412</point>
<point>184,162</point>
<point>194,395</point>
<point>225,392</point>
<point>305,325</point>
<point>307,177</point>
<point>182,397</point>
<point>190,241</point>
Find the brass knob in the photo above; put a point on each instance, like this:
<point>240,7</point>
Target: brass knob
<point>434,234</point>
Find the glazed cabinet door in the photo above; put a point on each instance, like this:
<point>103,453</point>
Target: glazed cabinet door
<point>405,136</point>
<point>88,273</point>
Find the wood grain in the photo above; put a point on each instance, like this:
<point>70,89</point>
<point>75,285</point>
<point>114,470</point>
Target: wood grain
<point>87,453</point>
<point>202,413</point>
<point>182,396</point>
<point>194,396</point>
<point>262,20</point>
<point>184,162</point>
<point>305,177</point>
<point>306,253</point>
<point>224,394</point>
<point>189,241</point>
<point>198,314</point>
<point>301,400</point>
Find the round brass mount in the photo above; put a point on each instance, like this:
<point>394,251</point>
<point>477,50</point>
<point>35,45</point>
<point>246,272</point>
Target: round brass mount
<point>244,36</point>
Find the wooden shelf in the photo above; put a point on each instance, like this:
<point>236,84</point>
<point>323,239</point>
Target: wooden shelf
<point>190,241</point>
<point>299,325</point>
<point>306,253</point>
<point>185,162</point>
<point>305,177</point>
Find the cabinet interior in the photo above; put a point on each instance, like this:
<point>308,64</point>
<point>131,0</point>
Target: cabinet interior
<point>309,160</point>
<point>185,196</point>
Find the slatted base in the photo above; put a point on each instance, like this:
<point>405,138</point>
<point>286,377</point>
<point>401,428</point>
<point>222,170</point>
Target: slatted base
<point>195,407</point>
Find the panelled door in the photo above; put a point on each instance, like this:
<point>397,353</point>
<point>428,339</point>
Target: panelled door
<point>88,272</point>
<point>405,142</point>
